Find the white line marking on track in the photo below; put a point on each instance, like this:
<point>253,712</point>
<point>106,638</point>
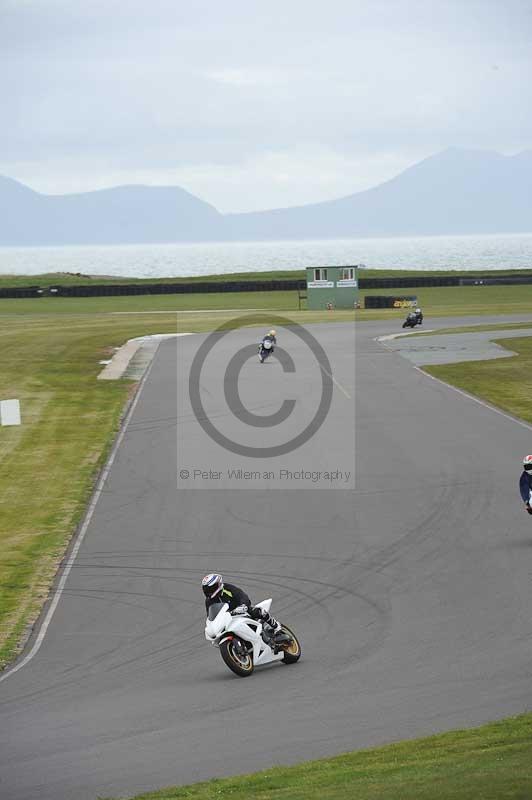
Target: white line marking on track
<point>336,383</point>
<point>480,402</point>
<point>476,399</point>
<point>79,540</point>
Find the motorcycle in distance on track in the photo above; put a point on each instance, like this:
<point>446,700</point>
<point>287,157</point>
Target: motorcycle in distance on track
<point>412,320</point>
<point>243,642</point>
<point>265,349</point>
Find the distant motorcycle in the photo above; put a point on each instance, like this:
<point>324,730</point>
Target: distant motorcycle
<point>265,350</point>
<point>412,320</point>
<point>244,643</point>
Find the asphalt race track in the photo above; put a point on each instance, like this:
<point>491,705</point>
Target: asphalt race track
<point>410,593</point>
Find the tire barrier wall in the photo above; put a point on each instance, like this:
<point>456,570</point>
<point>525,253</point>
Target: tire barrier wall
<point>109,290</point>
<point>176,288</point>
<point>455,280</point>
<point>505,281</point>
<point>407,283</point>
<point>389,301</point>
<point>22,291</point>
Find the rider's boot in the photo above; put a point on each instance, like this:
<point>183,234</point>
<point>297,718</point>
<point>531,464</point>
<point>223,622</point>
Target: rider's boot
<point>272,622</point>
<point>278,636</point>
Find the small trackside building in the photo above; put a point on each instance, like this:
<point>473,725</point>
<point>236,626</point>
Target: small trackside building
<point>332,287</point>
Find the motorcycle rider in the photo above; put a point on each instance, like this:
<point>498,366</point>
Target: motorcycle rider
<point>217,591</point>
<point>419,316</point>
<point>271,338</point>
<point>410,320</point>
<point>525,483</point>
<point>267,344</point>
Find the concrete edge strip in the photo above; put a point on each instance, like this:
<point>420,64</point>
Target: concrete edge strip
<point>56,595</point>
<point>120,361</point>
<point>390,336</point>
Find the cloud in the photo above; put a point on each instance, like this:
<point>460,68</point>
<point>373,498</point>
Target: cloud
<point>298,95</point>
<point>242,77</point>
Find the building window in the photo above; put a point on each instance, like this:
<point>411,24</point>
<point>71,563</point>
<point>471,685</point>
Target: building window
<point>320,274</point>
<point>347,273</point>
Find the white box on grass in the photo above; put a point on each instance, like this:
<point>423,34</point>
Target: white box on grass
<point>9,412</point>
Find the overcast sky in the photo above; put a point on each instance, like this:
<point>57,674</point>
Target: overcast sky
<point>252,104</point>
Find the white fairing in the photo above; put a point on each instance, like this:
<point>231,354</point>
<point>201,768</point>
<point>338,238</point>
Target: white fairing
<point>267,344</point>
<point>245,628</point>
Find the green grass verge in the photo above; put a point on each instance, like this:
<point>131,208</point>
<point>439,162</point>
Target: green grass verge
<point>505,382</point>
<point>165,302</point>
<point>493,762</point>
<point>436,302</point>
<point>461,301</point>
<point>48,464</point>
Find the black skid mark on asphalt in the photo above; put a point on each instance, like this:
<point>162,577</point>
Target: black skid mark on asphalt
<point>336,521</point>
<point>231,555</point>
<point>94,593</point>
<point>99,659</point>
<point>387,560</point>
<point>331,591</point>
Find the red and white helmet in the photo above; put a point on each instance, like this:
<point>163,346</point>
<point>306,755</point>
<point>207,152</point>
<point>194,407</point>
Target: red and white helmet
<point>527,463</point>
<point>212,584</point>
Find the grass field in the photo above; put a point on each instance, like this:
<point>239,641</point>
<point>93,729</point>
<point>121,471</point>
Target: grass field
<point>436,302</point>
<point>48,464</point>
<point>493,762</point>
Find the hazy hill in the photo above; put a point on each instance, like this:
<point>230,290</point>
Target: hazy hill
<point>455,191</point>
<point>120,215</point>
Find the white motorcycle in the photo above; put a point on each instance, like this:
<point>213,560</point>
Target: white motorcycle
<point>265,349</point>
<point>243,642</point>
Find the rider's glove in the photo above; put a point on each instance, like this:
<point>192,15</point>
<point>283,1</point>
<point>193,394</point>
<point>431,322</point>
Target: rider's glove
<point>239,610</point>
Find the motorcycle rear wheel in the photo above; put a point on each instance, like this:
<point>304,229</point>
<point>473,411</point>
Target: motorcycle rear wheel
<point>231,653</point>
<point>292,652</point>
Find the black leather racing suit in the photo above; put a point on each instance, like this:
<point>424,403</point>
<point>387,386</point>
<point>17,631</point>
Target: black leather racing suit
<point>235,597</point>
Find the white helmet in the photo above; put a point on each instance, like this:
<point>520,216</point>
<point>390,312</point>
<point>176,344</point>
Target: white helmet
<point>527,463</point>
<point>212,584</point>
<point>418,311</point>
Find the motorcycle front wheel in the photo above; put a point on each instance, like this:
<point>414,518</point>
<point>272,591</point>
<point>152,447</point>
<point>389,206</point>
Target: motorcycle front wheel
<point>292,651</point>
<point>237,657</point>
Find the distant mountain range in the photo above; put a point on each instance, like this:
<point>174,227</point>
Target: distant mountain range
<point>453,192</point>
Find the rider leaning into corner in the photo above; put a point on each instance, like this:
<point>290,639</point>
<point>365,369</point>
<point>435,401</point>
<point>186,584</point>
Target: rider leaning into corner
<point>525,483</point>
<point>216,591</point>
<point>270,337</point>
